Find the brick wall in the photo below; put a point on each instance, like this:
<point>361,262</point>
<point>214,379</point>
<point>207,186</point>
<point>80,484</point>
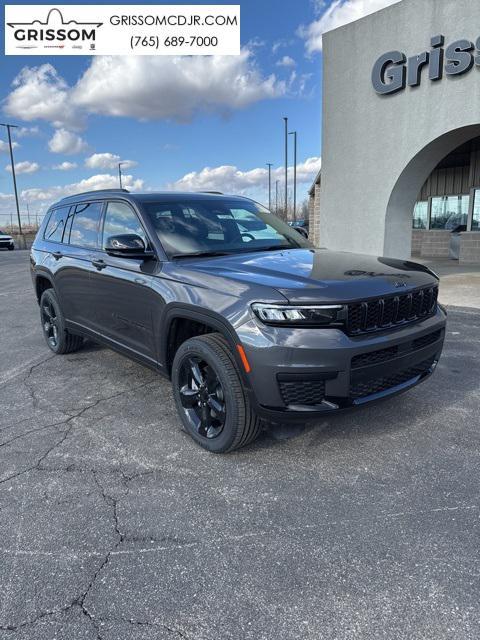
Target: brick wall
<point>470,246</point>
<point>435,244</point>
<point>417,241</point>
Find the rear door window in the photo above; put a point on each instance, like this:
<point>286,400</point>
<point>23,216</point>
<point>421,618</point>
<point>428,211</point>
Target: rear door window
<point>54,230</point>
<point>85,227</point>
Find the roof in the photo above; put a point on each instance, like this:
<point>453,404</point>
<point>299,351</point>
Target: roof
<point>151,196</point>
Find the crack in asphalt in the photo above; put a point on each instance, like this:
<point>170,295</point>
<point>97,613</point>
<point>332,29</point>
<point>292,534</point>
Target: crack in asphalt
<point>67,432</point>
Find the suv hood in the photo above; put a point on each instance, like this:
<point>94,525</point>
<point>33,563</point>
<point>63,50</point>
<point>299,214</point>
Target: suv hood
<point>316,275</point>
<point>3,236</point>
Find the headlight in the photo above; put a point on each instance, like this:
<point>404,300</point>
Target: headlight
<point>312,316</point>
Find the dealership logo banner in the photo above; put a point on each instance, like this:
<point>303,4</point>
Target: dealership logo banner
<point>122,30</point>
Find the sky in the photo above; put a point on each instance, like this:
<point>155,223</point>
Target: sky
<point>190,123</point>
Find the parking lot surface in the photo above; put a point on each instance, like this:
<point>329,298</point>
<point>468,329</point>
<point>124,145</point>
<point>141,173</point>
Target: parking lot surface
<point>114,525</point>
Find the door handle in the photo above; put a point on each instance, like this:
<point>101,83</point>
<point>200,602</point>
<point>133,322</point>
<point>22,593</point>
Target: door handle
<point>57,255</point>
<point>99,264</point>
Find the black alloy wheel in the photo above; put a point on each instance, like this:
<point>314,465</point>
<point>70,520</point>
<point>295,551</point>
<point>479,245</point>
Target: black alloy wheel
<point>210,395</point>
<point>49,323</point>
<point>56,335</point>
<point>202,397</point>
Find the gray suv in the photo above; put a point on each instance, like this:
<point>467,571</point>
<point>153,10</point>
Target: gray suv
<point>248,320</point>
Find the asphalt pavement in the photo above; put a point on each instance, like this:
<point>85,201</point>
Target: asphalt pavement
<point>114,525</point>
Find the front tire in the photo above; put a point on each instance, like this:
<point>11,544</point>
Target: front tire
<point>11,248</point>
<point>58,339</point>
<point>209,395</point>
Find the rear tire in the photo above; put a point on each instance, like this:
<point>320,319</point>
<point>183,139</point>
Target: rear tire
<point>58,339</point>
<point>209,395</point>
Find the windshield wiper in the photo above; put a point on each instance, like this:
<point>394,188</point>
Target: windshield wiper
<point>205,254</point>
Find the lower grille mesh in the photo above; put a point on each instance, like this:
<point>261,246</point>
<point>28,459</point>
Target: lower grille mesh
<point>307,392</point>
<point>363,388</point>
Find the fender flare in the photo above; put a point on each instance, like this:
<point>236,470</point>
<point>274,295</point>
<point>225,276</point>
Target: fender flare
<point>43,273</point>
<point>175,310</point>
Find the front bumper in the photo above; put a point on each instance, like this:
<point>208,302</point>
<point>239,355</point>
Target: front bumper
<point>301,373</point>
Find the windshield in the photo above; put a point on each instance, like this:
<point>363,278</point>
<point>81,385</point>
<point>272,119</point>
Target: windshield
<point>223,226</point>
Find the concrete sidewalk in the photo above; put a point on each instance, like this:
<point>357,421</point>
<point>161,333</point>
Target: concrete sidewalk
<point>459,283</point>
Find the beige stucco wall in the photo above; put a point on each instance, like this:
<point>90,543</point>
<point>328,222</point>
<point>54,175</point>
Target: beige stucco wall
<point>377,150</point>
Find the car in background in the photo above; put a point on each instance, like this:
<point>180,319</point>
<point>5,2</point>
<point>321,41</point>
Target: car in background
<point>301,226</point>
<point>6,241</point>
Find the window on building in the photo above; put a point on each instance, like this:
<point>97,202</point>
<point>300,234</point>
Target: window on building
<point>420,215</point>
<point>121,219</point>
<point>476,211</point>
<point>448,212</point>
<point>86,224</point>
<point>56,225</point>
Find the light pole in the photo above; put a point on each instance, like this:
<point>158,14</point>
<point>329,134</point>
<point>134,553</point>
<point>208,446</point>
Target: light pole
<point>269,165</point>
<point>8,127</point>
<point>28,214</point>
<point>276,197</point>
<point>286,166</point>
<point>294,134</point>
<point>120,174</point>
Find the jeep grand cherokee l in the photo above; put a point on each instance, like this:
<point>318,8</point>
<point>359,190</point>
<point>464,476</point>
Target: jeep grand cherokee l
<point>6,241</point>
<point>245,317</point>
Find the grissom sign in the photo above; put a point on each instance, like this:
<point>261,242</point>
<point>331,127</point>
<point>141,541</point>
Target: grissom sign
<point>122,30</point>
<point>392,72</point>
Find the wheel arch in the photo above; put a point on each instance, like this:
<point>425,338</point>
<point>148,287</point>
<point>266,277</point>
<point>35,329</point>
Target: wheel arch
<point>43,281</point>
<point>210,320</point>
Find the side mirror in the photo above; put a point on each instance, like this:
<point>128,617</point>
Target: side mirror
<point>127,245</point>
<point>302,231</point>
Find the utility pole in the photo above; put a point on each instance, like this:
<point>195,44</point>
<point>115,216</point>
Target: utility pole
<point>120,174</point>
<point>294,134</point>
<point>269,165</point>
<point>8,127</point>
<point>286,166</point>
<point>28,214</point>
<point>276,197</point>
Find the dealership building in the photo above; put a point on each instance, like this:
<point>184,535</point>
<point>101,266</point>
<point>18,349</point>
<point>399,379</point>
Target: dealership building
<point>401,133</point>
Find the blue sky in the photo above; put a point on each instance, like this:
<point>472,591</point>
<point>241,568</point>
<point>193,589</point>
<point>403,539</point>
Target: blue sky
<point>217,134</point>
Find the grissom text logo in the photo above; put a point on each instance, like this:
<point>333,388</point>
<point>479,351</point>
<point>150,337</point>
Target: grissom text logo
<point>54,31</point>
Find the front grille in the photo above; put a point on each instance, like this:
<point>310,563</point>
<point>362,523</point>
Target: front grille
<point>384,355</point>
<point>363,388</point>
<point>382,313</point>
<point>307,392</point>
<point>424,341</point>
<point>374,357</point>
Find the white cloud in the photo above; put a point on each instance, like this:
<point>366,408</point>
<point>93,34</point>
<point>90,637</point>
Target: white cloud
<point>142,87</point>
<point>230,179</point>
<point>66,142</point>
<point>286,61</point>
<point>4,148</point>
<point>340,12</point>
<point>101,181</point>
<point>22,132</point>
<point>108,161</point>
<point>169,87</point>
<point>40,93</point>
<point>24,167</point>
<point>65,166</point>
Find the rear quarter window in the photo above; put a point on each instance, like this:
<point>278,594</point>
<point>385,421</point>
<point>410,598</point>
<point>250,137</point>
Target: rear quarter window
<point>54,230</point>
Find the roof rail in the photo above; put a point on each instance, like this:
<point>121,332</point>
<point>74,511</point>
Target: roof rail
<point>217,193</point>
<point>87,193</point>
